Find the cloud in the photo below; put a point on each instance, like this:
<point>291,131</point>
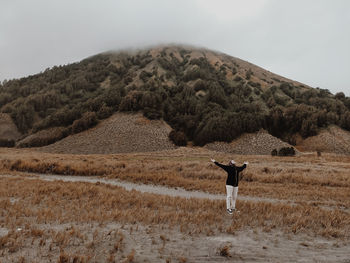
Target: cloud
<point>228,11</point>
<point>304,40</point>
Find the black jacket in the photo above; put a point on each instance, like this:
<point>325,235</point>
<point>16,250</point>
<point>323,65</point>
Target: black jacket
<point>232,173</point>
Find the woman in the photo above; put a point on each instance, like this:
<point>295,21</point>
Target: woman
<point>231,182</point>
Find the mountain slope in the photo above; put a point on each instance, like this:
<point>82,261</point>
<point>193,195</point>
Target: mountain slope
<point>259,143</point>
<point>331,139</point>
<point>8,130</point>
<point>205,96</point>
<point>120,133</point>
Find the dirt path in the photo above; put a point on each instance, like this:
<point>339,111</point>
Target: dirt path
<point>146,188</point>
<point>164,190</point>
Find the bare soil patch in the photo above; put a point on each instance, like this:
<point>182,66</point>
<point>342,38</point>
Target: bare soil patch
<point>115,242</point>
<point>121,133</point>
<point>259,143</point>
<point>332,139</point>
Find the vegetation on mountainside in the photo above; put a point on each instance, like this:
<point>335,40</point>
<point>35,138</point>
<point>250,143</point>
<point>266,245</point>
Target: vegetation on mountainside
<point>284,151</point>
<point>202,101</point>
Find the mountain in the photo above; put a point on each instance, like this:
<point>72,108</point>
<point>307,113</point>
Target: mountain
<point>205,96</point>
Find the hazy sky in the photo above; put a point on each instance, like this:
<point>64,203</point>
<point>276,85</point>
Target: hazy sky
<point>305,40</point>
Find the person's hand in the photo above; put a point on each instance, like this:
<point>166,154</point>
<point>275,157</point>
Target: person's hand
<point>246,163</point>
<point>212,160</point>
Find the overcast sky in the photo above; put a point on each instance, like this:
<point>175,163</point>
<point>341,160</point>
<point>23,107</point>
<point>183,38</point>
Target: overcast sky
<point>305,40</point>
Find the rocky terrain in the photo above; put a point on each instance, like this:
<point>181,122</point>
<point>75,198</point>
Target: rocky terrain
<point>130,132</point>
<point>120,133</point>
<point>260,143</point>
<point>331,140</point>
<point>124,133</point>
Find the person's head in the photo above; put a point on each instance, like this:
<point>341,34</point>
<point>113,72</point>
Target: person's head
<point>232,163</point>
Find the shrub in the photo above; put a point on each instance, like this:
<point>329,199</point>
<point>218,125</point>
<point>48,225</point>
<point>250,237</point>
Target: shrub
<point>280,100</point>
<point>144,76</point>
<point>308,128</point>
<point>87,121</point>
<point>345,121</point>
<point>254,84</point>
<point>131,102</point>
<point>200,85</point>
<point>224,251</point>
<point>237,78</point>
<point>7,143</point>
<point>196,73</point>
<point>24,117</point>
<point>45,139</point>
<point>274,152</point>
<point>5,98</point>
<point>247,91</point>
<point>340,96</point>
<point>104,112</point>
<point>178,138</point>
<point>234,71</point>
<point>248,74</point>
<point>152,114</point>
<point>286,151</point>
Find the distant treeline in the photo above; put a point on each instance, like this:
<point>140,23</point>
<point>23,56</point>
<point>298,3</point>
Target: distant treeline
<point>197,99</point>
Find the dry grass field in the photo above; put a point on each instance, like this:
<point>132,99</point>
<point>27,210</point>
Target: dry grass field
<point>58,221</point>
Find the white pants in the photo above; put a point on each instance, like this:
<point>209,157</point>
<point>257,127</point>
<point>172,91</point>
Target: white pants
<point>231,196</point>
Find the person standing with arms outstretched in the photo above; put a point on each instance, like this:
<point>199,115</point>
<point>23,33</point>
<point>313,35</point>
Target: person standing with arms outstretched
<point>231,182</point>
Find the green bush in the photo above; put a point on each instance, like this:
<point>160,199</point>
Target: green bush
<point>254,84</point>
<point>45,140</point>
<point>345,121</point>
<point>248,74</point>
<point>104,112</point>
<point>24,117</point>
<point>237,78</point>
<point>178,138</point>
<point>144,76</point>
<point>7,143</point>
<point>102,84</point>
<point>286,151</point>
<point>88,120</point>
<point>152,114</point>
<point>234,71</point>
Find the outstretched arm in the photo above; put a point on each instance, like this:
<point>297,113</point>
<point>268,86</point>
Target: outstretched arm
<point>241,168</point>
<point>225,167</point>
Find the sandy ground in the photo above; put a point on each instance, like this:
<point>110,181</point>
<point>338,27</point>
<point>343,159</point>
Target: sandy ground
<point>152,244</point>
<point>120,133</point>
<point>159,244</point>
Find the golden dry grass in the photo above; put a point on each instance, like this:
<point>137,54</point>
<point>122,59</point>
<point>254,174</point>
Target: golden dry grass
<point>310,182</point>
<point>67,202</point>
<point>321,180</point>
<point>41,208</point>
